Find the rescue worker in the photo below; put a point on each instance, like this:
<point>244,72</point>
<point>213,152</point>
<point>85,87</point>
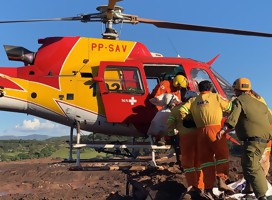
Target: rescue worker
<point>187,142</point>
<point>251,119</point>
<point>172,86</point>
<point>265,161</point>
<point>207,111</point>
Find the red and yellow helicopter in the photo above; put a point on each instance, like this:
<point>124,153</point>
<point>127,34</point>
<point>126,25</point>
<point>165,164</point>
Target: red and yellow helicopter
<point>99,85</point>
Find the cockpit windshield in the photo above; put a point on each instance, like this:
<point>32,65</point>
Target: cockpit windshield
<point>225,85</point>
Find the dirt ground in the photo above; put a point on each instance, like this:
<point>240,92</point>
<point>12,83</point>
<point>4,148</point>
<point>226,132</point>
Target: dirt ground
<point>54,179</point>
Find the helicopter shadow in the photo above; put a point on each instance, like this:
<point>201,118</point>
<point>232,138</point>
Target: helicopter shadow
<point>151,184</point>
<point>142,116</point>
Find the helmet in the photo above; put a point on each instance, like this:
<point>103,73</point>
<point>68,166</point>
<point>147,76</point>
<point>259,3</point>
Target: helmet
<point>181,81</point>
<point>243,84</point>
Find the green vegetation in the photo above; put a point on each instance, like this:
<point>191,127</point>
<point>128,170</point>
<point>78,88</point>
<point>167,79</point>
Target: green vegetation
<point>12,150</point>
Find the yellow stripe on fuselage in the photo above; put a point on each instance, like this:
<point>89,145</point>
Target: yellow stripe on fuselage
<point>85,56</point>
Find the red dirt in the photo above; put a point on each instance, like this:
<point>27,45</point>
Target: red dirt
<point>53,179</point>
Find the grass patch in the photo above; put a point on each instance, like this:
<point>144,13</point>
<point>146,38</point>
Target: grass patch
<point>85,153</point>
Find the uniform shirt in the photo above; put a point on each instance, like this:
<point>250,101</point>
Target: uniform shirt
<point>165,87</point>
<point>250,117</point>
<point>175,122</point>
<point>207,108</point>
<point>261,99</point>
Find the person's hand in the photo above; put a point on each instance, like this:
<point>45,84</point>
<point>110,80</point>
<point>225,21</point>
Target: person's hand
<point>220,134</point>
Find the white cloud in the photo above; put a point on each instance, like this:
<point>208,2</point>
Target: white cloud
<point>39,126</point>
<point>19,124</point>
<point>47,125</point>
<point>35,125</point>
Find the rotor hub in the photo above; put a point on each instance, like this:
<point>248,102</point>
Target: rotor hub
<point>110,33</point>
<point>109,17</point>
<point>104,8</point>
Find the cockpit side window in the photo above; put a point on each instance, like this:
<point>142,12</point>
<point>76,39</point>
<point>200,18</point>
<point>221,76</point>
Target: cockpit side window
<point>123,80</point>
<point>225,85</point>
<point>198,75</point>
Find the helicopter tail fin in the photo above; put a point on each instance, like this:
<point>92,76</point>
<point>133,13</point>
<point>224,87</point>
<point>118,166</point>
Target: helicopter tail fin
<point>212,60</point>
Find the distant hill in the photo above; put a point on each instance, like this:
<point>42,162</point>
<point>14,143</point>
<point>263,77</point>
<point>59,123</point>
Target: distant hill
<point>63,138</point>
<point>27,137</point>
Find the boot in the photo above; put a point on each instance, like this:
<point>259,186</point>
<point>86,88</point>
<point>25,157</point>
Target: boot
<point>248,189</point>
<point>222,186</point>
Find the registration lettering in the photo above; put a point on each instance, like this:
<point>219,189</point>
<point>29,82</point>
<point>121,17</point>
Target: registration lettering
<point>110,47</point>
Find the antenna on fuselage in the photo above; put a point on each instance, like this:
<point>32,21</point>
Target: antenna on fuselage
<point>174,47</point>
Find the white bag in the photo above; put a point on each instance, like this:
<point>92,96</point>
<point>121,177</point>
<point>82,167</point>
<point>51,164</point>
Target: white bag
<point>158,124</point>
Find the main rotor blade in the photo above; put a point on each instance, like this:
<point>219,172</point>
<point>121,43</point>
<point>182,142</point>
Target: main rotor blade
<point>112,3</point>
<point>190,27</point>
<point>43,20</point>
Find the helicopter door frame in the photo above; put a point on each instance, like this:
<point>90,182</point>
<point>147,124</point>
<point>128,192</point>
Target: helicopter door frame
<point>123,89</point>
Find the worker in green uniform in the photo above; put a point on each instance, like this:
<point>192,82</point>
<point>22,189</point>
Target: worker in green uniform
<point>251,120</point>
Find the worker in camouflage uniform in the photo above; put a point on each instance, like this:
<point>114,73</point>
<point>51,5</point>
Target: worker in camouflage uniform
<point>265,161</point>
<point>251,119</point>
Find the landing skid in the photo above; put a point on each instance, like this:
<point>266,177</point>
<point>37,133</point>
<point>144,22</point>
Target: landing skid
<point>118,148</point>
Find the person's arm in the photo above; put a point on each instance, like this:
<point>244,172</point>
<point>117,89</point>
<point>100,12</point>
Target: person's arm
<point>225,129</point>
<point>155,90</point>
<point>171,125</point>
<point>269,116</point>
<point>225,104</point>
<point>232,119</point>
<point>161,88</point>
<point>185,109</point>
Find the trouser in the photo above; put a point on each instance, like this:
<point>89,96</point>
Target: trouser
<point>265,161</point>
<point>174,141</point>
<point>253,173</point>
<point>189,160</point>
<point>213,155</point>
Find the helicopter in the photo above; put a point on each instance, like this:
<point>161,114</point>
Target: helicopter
<point>103,84</point>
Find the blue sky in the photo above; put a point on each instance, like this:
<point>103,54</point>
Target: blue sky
<point>240,56</point>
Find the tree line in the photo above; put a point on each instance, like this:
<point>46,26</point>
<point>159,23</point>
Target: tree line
<point>12,150</point>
